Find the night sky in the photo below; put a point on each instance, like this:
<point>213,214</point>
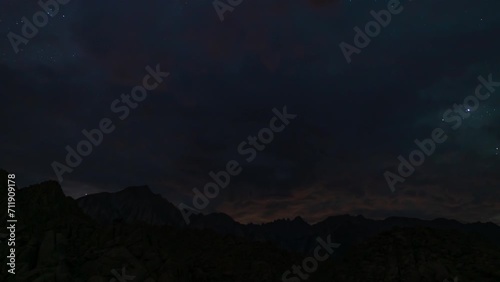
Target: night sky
<point>226,77</point>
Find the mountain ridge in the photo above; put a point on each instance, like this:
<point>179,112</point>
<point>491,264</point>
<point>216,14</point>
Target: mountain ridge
<point>57,241</point>
<point>290,234</point>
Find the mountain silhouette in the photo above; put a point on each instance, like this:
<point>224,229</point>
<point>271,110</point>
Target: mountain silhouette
<point>133,204</point>
<point>136,231</point>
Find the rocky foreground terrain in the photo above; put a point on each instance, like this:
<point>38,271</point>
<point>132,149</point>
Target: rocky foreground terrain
<point>58,241</point>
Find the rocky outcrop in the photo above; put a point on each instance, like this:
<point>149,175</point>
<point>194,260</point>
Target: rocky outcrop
<point>58,242</point>
<point>131,205</point>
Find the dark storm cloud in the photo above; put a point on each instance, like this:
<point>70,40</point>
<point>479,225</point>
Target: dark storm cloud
<point>226,77</point>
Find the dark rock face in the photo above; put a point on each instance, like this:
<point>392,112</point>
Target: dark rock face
<point>297,235</point>
<point>137,233</point>
<point>419,255</point>
<point>56,241</point>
